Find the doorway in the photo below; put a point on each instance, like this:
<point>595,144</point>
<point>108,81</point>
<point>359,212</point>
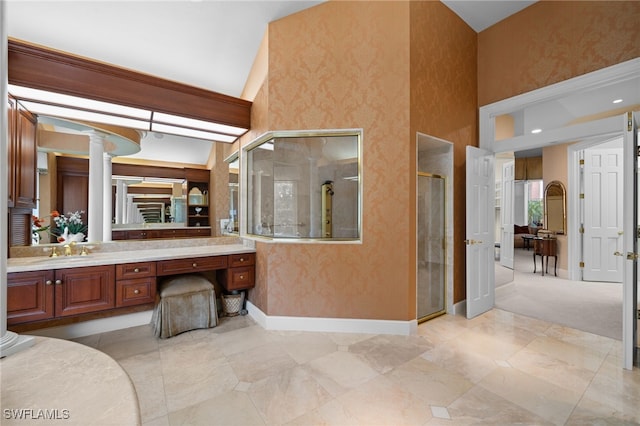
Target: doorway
<point>431,291</point>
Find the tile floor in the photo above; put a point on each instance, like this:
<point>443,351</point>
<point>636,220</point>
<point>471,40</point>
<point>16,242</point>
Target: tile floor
<point>499,369</point>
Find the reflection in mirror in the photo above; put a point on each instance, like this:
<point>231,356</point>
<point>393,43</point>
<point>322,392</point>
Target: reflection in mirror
<point>303,185</point>
<point>555,217</point>
<point>145,200</point>
<point>230,225</point>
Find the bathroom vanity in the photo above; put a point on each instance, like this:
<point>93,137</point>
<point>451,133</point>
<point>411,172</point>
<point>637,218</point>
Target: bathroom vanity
<point>116,277</point>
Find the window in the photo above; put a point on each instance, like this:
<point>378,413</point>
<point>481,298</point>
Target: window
<point>303,185</point>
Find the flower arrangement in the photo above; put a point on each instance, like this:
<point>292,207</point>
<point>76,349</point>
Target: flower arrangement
<point>65,226</point>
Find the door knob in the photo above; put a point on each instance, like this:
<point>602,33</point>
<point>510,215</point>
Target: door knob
<point>617,253</point>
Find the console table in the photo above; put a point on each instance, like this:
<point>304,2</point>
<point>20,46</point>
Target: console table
<point>545,247</point>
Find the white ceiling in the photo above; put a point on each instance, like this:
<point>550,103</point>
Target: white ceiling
<point>204,43</point>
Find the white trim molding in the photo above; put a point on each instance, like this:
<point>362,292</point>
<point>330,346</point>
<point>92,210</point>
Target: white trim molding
<point>336,325</point>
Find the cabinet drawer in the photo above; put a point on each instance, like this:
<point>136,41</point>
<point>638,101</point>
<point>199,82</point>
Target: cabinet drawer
<point>142,235</point>
<point>194,264</point>
<point>135,270</point>
<point>243,259</point>
<point>240,278</point>
<point>135,291</point>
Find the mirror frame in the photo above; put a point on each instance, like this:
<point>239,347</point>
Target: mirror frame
<point>555,189</point>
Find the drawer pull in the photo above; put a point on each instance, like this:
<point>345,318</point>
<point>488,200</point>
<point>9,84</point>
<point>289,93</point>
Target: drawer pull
<point>136,270</point>
<point>136,291</point>
<point>242,259</point>
<point>242,277</point>
<point>58,282</point>
<point>195,265</point>
<point>48,282</point>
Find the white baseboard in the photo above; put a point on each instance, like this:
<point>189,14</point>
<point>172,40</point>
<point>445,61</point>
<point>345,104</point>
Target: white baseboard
<point>102,325</point>
<point>339,325</point>
<point>460,308</point>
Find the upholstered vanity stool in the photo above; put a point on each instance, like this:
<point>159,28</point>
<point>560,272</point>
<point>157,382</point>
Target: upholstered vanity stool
<point>184,302</point>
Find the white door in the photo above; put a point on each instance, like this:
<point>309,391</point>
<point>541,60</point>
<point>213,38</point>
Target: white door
<point>506,214</point>
<point>603,192</point>
<point>630,242</point>
<point>480,231</point>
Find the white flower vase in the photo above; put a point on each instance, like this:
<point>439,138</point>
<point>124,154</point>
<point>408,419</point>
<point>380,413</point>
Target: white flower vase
<point>67,237</point>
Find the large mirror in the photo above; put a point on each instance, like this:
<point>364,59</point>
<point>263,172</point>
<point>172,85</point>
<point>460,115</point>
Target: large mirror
<point>555,214</point>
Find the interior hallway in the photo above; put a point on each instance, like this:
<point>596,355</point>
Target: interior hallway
<point>499,368</point>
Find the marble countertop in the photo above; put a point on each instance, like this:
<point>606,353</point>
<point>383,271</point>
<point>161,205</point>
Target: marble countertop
<point>39,263</point>
<point>70,383</point>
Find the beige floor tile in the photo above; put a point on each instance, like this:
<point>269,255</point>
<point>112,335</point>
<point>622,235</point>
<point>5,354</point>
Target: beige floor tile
<point>578,356</point>
<point>256,364</point>
<point>228,409</point>
<point>194,383</point>
<point>346,339</point>
<point>538,396</point>
<point>496,347</point>
<point>454,356</point>
<point>591,341</point>
<point>482,407</point>
<point>304,346</point>
<point>551,369</point>
<point>288,395</point>
<point>384,352</point>
<point>91,341</point>
<point>243,339</point>
<point>429,382</point>
<point>379,401</point>
<point>340,371</point>
<point>142,367</point>
<point>618,389</point>
<point>151,398</point>
<point>589,412</point>
<point>192,352</point>
<point>129,347</point>
<point>158,421</point>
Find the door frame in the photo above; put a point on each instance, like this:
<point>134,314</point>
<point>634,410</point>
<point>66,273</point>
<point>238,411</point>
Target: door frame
<point>588,131</point>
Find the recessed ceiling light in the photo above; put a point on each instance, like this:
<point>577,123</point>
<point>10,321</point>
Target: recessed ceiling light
<point>617,101</point>
<point>536,131</point>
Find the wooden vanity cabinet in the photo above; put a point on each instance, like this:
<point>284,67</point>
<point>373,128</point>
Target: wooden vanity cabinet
<point>83,290</point>
<point>135,284</point>
<point>196,264</point>
<point>30,296</point>
<point>240,274</point>
<point>38,295</point>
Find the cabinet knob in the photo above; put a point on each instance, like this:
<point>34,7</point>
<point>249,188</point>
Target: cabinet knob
<point>48,282</point>
<point>242,259</point>
<point>195,265</point>
<point>242,277</point>
<point>136,291</point>
<point>58,282</point>
<point>136,270</point>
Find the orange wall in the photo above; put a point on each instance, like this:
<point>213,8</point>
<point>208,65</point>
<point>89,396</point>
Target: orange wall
<point>355,65</point>
<point>444,104</point>
<point>552,41</point>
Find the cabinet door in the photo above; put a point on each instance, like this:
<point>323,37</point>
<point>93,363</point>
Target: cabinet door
<point>26,159</point>
<point>81,290</point>
<point>29,296</point>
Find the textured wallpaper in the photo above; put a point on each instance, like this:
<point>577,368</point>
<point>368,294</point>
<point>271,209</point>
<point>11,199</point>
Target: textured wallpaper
<point>353,65</point>
<point>552,41</point>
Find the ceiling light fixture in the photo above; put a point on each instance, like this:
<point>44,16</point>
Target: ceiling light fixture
<point>76,108</point>
<point>617,101</point>
<point>536,131</point>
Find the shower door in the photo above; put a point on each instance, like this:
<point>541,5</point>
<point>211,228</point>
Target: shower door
<point>431,246</point>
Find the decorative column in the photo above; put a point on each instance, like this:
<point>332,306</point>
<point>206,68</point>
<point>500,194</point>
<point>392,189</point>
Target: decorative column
<point>96,186</point>
<point>10,342</point>
<point>121,201</point>
<point>107,198</point>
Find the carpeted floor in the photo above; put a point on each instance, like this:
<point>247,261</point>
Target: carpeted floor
<point>588,306</point>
